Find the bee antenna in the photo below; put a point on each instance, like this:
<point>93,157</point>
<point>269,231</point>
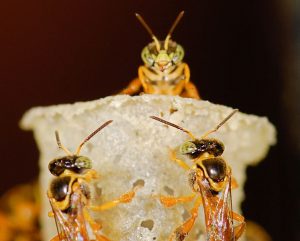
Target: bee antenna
<point>146,26</point>
<point>180,15</point>
<point>221,123</point>
<point>173,125</point>
<point>60,145</point>
<point>91,135</point>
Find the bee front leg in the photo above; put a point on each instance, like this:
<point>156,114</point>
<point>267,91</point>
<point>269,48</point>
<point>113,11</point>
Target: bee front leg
<point>133,87</point>
<point>180,162</point>
<point>125,198</point>
<point>168,201</point>
<point>190,89</point>
<point>183,230</point>
<point>145,75</point>
<point>171,201</point>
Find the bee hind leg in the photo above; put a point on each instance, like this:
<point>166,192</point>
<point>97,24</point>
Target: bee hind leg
<point>96,227</point>
<point>240,228</point>
<point>183,230</point>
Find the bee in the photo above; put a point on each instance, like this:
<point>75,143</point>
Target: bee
<point>211,181</point>
<point>163,71</point>
<point>69,194</point>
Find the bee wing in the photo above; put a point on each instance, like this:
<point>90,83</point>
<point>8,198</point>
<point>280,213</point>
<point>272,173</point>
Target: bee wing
<point>217,210</point>
<point>60,222</point>
<point>71,225</point>
<point>229,208</point>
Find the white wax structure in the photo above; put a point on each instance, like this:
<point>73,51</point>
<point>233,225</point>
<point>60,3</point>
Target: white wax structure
<point>135,149</point>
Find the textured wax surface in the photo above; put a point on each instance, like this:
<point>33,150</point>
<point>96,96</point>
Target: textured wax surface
<point>135,149</point>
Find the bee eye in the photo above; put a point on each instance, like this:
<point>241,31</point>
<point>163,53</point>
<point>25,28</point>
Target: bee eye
<point>175,58</point>
<point>150,60</point>
<point>83,162</point>
<point>188,148</point>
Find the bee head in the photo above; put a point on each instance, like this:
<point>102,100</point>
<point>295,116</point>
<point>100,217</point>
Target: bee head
<point>198,147</point>
<point>76,164</point>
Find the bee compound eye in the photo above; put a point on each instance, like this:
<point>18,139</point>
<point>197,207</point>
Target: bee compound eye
<point>150,60</point>
<point>83,162</point>
<point>56,167</point>
<point>59,165</point>
<point>216,147</point>
<point>175,58</point>
<point>188,148</point>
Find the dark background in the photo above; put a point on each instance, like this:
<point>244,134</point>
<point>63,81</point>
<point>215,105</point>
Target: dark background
<point>239,53</point>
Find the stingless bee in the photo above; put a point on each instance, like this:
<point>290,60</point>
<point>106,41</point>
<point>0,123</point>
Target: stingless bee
<point>163,71</point>
<point>69,194</point>
<point>211,181</point>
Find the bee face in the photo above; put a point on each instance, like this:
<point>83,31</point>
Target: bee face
<point>162,59</point>
<point>198,147</point>
<point>189,148</point>
<point>77,164</point>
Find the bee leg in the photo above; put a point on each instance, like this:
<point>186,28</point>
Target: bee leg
<point>133,87</point>
<point>144,76</point>
<point>90,175</point>
<point>240,228</point>
<point>125,198</point>
<point>234,183</point>
<point>178,88</point>
<point>96,227</point>
<point>181,163</point>
<point>183,230</point>
<point>171,201</point>
<point>101,238</point>
<point>56,238</point>
<point>191,91</point>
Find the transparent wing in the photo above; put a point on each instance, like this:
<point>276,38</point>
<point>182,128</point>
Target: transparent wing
<point>217,210</point>
<point>71,225</point>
